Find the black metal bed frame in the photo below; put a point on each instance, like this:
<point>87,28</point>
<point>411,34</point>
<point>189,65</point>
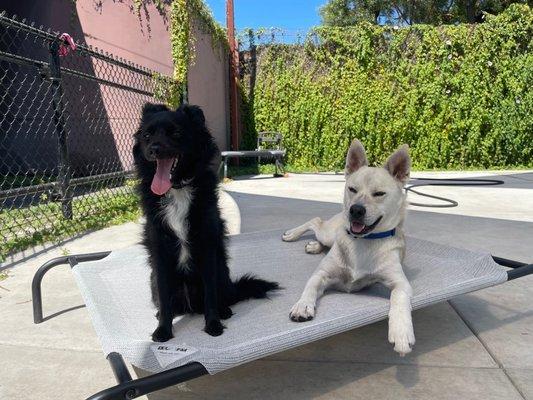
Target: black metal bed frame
<point>128,388</point>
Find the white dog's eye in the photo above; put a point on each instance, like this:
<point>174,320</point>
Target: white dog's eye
<point>378,194</point>
<point>352,189</point>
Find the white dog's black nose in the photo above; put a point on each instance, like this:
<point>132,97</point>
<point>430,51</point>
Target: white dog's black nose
<point>357,211</point>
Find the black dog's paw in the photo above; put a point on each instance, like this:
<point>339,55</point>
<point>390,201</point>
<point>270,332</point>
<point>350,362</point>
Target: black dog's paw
<point>225,313</point>
<point>214,328</point>
<point>162,334</point>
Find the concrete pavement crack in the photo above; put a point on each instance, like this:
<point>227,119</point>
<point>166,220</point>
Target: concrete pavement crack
<point>488,350</point>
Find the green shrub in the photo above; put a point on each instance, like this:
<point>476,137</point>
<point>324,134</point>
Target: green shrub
<point>460,96</point>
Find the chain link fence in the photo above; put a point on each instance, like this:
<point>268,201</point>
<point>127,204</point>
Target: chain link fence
<point>66,135</point>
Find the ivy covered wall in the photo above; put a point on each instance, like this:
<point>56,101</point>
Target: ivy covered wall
<point>460,96</point>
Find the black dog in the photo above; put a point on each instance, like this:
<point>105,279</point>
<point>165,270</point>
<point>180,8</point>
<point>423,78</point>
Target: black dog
<point>184,233</point>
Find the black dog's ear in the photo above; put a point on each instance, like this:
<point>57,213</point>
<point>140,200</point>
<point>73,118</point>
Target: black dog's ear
<point>149,109</point>
<point>194,113</point>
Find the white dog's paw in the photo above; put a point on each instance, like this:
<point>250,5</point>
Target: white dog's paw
<point>401,334</point>
<point>302,311</point>
<point>289,236</point>
<point>313,247</point>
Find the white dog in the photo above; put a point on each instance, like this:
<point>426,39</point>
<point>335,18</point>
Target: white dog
<point>366,240</point>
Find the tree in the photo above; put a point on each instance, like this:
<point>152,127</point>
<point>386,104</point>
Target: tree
<point>471,11</point>
<point>408,12</point>
<point>350,12</point>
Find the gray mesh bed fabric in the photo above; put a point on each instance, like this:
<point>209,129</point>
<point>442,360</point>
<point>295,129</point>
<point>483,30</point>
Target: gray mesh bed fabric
<point>117,294</point>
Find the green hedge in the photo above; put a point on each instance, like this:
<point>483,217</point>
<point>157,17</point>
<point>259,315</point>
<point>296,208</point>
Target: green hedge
<point>460,96</point>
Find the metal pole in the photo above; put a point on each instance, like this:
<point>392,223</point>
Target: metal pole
<point>520,272</point>
<point>253,65</point>
<point>185,91</point>
<point>233,76</point>
<point>59,123</point>
<point>119,368</point>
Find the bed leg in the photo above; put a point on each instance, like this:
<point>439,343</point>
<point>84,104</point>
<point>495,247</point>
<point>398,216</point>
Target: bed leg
<point>280,168</point>
<point>225,168</point>
<point>37,300</point>
<point>219,168</point>
<point>36,295</point>
<point>119,367</point>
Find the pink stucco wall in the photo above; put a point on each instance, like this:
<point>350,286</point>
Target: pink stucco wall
<point>148,44</point>
<point>102,118</point>
<point>208,85</point>
<point>114,27</point>
<point>142,39</point>
<point>146,41</point>
<point>110,25</point>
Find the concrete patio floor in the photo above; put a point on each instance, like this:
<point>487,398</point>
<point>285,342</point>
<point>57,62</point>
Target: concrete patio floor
<point>477,346</point>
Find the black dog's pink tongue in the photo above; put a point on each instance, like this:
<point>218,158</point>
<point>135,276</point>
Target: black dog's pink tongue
<point>161,182</point>
<point>356,227</point>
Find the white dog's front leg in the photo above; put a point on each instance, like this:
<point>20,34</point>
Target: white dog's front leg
<point>324,277</point>
<point>304,309</point>
<point>401,332</point>
<point>294,234</point>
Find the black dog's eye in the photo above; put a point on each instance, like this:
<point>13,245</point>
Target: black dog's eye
<point>352,189</point>
<point>378,194</point>
<point>146,135</point>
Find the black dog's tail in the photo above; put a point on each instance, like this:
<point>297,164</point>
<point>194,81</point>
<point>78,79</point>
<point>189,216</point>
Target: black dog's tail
<point>250,287</point>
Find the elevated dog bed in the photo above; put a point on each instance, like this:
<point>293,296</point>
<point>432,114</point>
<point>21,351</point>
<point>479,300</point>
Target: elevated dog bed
<point>117,294</point>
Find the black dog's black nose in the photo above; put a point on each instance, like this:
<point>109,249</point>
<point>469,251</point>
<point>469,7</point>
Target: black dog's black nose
<point>154,149</point>
<point>357,211</point>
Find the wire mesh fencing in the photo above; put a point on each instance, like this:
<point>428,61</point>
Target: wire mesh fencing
<point>66,135</point>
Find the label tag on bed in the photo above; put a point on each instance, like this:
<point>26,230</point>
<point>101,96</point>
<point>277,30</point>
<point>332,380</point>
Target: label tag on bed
<point>166,354</point>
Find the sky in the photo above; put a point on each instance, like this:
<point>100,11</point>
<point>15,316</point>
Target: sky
<point>291,15</point>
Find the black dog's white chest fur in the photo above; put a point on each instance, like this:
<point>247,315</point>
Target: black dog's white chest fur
<point>175,211</point>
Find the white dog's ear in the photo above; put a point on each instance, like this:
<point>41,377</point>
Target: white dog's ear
<point>356,157</point>
<point>399,164</point>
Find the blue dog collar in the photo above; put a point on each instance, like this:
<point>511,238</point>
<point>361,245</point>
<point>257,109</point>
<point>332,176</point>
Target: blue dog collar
<point>378,235</point>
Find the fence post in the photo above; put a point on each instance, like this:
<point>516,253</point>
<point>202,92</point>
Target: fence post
<point>253,64</point>
<point>59,122</point>
<point>185,91</point>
